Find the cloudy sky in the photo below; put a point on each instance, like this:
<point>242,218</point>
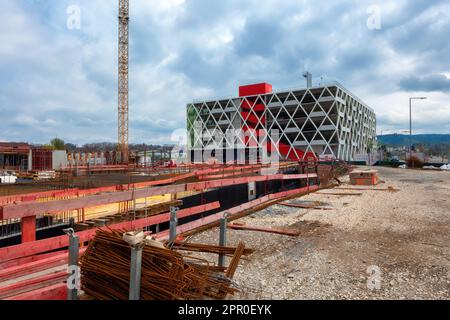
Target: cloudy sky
<point>61,81</point>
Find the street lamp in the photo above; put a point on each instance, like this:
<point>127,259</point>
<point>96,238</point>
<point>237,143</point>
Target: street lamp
<point>410,124</point>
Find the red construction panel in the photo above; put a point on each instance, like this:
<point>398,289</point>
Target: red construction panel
<point>54,292</point>
<point>32,248</point>
<point>36,208</point>
<point>37,195</point>
<point>158,182</point>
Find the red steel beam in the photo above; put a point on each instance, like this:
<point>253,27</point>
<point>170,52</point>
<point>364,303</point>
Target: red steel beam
<point>226,175</point>
<point>33,248</point>
<point>283,231</point>
<point>54,292</point>
<point>31,209</point>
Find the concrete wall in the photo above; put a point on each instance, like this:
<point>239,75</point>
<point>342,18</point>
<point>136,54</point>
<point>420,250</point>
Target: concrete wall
<point>30,161</point>
<point>59,159</point>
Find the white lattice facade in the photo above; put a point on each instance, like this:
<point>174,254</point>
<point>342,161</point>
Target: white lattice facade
<point>326,121</point>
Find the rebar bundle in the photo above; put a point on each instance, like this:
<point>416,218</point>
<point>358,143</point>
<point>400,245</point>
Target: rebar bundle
<point>166,274</point>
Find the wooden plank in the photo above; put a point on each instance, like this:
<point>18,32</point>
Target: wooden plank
<point>32,267</point>
<point>32,284</point>
<point>21,210</point>
<point>37,266</point>
<point>390,189</point>
<point>285,232</point>
<point>339,194</point>
<point>32,248</point>
<point>304,206</point>
<point>54,292</point>
<point>25,260</point>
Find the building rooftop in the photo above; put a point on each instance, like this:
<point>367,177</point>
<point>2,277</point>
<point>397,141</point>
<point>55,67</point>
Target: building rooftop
<point>248,93</point>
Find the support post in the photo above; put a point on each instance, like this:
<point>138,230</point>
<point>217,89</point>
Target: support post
<point>73,281</point>
<point>173,225</point>
<point>223,238</point>
<point>28,229</point>
<point>71,222</point>
<point>135,273</point>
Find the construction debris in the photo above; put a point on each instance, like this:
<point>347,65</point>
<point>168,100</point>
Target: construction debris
<point>282,231</point>
<point>235,261</point>
<point>166,274</point>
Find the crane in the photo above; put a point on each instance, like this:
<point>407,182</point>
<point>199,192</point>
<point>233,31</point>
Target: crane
<point>124,18</point>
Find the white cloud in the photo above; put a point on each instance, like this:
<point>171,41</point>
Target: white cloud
<point>55,81</point>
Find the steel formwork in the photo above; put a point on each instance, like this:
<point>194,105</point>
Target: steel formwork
<point>326,122</point>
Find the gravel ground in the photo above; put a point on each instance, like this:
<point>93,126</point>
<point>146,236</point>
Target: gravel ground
<point>380,245</point>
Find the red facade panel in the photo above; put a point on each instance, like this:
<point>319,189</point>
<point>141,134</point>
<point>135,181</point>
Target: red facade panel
<point>253,114</point>
<point>254,89</point>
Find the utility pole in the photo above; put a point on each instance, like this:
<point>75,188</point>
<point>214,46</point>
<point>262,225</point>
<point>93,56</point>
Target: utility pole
<point>124,19</point>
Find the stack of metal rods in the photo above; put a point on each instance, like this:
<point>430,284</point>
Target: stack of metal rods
<point>166,275</point>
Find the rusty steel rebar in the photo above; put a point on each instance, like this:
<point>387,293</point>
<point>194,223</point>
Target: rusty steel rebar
<point>206,248</point>
<point>166,274</point>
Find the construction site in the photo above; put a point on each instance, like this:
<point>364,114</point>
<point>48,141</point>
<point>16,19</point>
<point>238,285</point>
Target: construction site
<point>246,215</point>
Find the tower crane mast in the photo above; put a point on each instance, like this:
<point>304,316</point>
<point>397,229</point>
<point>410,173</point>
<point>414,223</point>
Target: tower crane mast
<point>123,108</point>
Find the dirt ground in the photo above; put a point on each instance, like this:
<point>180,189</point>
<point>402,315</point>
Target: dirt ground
<point>380,245</point>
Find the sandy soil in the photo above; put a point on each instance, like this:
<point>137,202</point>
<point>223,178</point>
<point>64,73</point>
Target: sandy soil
<point>380,245</point>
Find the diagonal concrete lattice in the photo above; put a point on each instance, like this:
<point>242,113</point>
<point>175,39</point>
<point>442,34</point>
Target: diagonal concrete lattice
<point>328,121</point>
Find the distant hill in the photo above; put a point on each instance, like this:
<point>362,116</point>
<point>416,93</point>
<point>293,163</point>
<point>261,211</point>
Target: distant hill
<point>403,140</point>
